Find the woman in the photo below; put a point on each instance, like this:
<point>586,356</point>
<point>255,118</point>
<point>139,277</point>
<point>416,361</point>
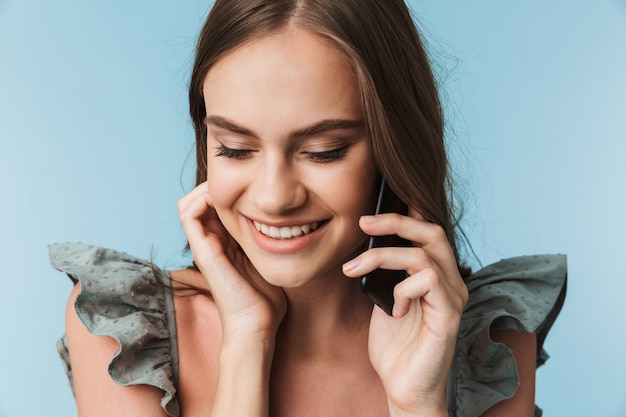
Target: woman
<point>300,108</point>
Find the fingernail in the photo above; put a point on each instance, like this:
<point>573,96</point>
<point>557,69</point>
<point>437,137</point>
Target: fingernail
<point>350,265</point>
<point>370,219</point>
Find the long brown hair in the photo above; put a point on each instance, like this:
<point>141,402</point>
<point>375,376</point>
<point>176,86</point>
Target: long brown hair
<point>399,97</point>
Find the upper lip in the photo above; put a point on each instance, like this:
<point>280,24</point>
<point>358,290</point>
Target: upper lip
<point>285,223</point>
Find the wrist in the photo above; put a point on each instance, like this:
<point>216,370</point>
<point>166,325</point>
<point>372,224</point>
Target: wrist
<point>424,409</point>
<point>248,349</point>
<point>254,332</point>
<point>421,413</point>
<point>244,374</point>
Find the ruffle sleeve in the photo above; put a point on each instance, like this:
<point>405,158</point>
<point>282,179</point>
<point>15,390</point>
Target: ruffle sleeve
<point>524,293</point>
<point>121,297</point>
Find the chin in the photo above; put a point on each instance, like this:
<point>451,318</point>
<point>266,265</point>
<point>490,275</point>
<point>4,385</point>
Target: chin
<point>289,276</point>
<point>294,264</point>
<point>300,271</point>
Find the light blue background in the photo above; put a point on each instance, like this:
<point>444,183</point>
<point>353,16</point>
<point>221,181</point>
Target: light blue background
<point>95,147</point>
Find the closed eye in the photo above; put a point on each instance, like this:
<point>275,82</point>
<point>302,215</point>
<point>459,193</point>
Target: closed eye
<point>231,153</point>
<point>328,156</point>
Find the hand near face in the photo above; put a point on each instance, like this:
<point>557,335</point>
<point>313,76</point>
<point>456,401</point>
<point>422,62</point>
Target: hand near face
<point>412,351</point>
<point>247,304</point>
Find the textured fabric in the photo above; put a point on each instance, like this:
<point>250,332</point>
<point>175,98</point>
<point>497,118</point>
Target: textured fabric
<point>524,293</point>
<point>120,297</point>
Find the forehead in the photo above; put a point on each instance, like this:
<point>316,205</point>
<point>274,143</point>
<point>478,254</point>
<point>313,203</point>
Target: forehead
<point>289,69</point>
<point>293,46</point>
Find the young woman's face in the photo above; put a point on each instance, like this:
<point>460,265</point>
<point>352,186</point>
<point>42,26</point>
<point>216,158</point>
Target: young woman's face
<point>290,169</point>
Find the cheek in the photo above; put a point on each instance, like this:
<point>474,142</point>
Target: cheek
<point>223,192</point>
<point>356,195</point>
<point>222,187</point>
<point>355,189</point>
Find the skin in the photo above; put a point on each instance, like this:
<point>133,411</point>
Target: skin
<point>283,327</point>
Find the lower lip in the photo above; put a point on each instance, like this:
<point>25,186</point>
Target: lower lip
<point>285,246</point>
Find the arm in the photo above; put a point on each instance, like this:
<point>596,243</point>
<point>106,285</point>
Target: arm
<point>524,347</point>
<point>412,351</point>
<point>96,393</point>
<point>243,383</point>
<point>250,310</point>
<point>428,308</point>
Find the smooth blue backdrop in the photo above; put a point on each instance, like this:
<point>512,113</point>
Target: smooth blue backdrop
<point>95,147</point>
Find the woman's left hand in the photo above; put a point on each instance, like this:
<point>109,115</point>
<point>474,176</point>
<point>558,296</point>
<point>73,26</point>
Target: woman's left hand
<point>412,350</point>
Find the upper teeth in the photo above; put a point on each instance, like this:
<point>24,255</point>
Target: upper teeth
<point>285,232</point>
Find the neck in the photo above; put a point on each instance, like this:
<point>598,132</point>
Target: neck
<point>323,314</point>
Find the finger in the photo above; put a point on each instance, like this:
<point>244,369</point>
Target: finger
<point>192,195</point>
<point>199,220</point>
<point>206,237</point>
<point>413,260</point>
<point>410,259</point>
<point>435,297</point>
<point>421,232</point>
<point>204,229</point>
<point>196,207</point>
<point>429,236</point>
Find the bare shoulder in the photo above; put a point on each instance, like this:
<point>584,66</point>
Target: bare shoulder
<point>199,334</point>
<point>96,393</point>
<point>198,339</point>
<point>193,303</point>
<point>524,348</point>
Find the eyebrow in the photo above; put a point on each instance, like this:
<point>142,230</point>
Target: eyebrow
<point>313,130</point>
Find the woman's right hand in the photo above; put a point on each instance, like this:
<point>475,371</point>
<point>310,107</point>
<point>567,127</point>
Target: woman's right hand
<point>249,306</point>
<point>250,309</point>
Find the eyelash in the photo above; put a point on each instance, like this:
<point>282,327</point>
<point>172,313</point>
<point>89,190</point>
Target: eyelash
<point>328,156</point>
<point>321,157</point>
<point>231,153</point>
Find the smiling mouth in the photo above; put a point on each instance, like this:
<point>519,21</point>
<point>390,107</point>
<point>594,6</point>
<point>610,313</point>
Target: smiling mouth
<point>286,232</point>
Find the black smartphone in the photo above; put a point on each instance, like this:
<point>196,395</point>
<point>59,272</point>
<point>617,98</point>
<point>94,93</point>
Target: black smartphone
<point>379,284</point>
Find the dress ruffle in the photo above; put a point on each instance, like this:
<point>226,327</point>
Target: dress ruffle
<point>121,297</point>
<point>524,293</point>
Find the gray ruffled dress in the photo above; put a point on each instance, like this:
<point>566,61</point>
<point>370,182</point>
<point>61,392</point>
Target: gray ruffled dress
<point>121,297</point>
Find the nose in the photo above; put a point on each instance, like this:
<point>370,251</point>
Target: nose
<point>278,188</point>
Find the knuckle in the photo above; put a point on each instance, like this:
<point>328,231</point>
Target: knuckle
<point>398,292</point>
<point>182,203</point>
<point>373,257</point>
<point>419,255</point>
<point>391,221</point>
<point>431,277</point>
<point>182,216</point>
<point>438,232</point>
<point>395,217</point>
<point>401,290</point>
